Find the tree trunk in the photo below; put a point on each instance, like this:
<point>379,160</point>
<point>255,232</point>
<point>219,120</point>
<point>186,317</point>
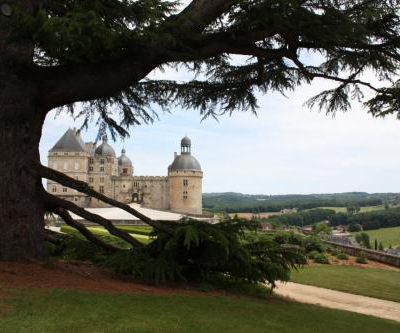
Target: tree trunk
<point>21,207</point>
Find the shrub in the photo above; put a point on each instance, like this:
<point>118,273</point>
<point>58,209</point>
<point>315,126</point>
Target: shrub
<point>313,243</point>
<point>342,256</point>
<point>197,251</point>
<point>321,258</point>
<point>312,254</point>
<point>361,260</point>
<point>332,251</point>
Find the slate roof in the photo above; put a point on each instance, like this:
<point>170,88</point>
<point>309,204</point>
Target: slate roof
<point>69,142</point>
<point>185,162</point>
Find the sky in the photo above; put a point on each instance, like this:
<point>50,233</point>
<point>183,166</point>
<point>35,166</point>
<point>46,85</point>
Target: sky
<point>285,149</point>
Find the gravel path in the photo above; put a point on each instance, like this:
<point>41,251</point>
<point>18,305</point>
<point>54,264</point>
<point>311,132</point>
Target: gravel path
<point>340,300</point>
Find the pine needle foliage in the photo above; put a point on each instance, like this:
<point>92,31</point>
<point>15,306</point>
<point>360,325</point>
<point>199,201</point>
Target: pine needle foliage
<point>198,251</point>
<point>277,41</point>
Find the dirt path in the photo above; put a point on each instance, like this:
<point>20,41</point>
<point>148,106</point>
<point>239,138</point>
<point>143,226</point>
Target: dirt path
<point>340,300</point>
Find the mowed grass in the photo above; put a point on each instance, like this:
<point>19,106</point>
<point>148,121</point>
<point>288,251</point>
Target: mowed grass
<point>72,311</point>
<point>378,283</point>
<point>143,236</point>
<point>388,236</point>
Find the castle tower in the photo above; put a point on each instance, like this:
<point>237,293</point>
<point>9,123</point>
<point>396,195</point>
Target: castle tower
<point>185,181</point>
<point>125,167</point>
<point>69,156</point>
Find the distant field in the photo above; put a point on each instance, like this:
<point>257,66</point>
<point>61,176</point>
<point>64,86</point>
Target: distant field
<point>248,216</point>
<point>388,236</point>
<point>362,209</point>
<point>371,282</point>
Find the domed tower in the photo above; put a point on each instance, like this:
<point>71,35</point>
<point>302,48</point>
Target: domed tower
<point>185,181</point>
<point>103,166</point>
<point>125,167</point>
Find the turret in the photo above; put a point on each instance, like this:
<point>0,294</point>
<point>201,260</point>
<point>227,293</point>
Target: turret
<point>185,181</point>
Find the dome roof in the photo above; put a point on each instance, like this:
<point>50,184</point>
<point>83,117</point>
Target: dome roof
<point>186,141</point>
<point>124,160</point>
<point>185,162</point>
<point>105,149</point>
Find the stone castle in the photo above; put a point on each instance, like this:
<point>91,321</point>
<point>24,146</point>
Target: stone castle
<point>180,191</point>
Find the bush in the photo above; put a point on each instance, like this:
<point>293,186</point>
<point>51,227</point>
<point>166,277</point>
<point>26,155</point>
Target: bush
<point>312,254</point>
<point>342,256</point>
<point>361,260</point>
<point>321,258</point>
<point>313,243</point>
<point>197,251</point>
<point>332,251</point>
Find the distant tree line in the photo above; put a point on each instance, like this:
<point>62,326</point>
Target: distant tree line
<point>239,203</point>
<point>384,218</point>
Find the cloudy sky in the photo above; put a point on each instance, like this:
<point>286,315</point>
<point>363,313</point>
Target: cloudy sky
<point>285,149</point>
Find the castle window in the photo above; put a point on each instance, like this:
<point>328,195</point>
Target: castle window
<point>91,161</point>
<point>125,171</point>
<point>101,179</point>
<point>123,186</point>
<point>102,161</point>
<point>101,189</point>
<point>76,166</point>
<point>54,189</point>
<point>185,194</point>
<point>101,169</point>
<point>90,168</point>
<point>185,182</point>
<point>91,180</point>
<point>75,199</point>
<point>136,184</point>
<point>65,190</point>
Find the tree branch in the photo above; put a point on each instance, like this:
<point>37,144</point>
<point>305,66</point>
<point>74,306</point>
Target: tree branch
<point>200,13</point>
<point>84,231</point>
<point>83,187</point>
<point>55,203</point>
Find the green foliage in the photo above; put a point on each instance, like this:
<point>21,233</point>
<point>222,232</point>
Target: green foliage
<point>237,202</point>
<point>312,254</point>
<point>342,256</point>
<point>199,251</point>
<point>353,227</point>
<point>321,258</point>
<point>322,228</point>
<point>313,243</point>
<point>363,239</point>
<point>380,247</point>
<point>361,260</point>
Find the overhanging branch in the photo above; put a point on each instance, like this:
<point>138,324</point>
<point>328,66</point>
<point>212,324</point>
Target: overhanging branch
<point>83,187</point>
<point>84,231</point>
<point>54,203</point>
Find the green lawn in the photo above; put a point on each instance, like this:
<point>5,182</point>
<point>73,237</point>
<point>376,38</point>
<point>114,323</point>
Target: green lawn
<point>363,281</point>
<point>142,232</point>
<point>388,236</point>
<point>72,311</point>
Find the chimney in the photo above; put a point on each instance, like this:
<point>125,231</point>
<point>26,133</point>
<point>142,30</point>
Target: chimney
<point>175,155</point>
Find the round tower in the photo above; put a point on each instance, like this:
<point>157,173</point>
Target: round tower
<point>185,181</point>
<point>125,166</point>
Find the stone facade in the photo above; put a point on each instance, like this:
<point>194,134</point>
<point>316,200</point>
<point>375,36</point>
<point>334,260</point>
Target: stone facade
<point>179,191</point>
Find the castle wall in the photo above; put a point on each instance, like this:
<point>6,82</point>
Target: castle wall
<point>185,191</point>
<point>102,169</point>
<point>75,165</point>
<point>151,192</point>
